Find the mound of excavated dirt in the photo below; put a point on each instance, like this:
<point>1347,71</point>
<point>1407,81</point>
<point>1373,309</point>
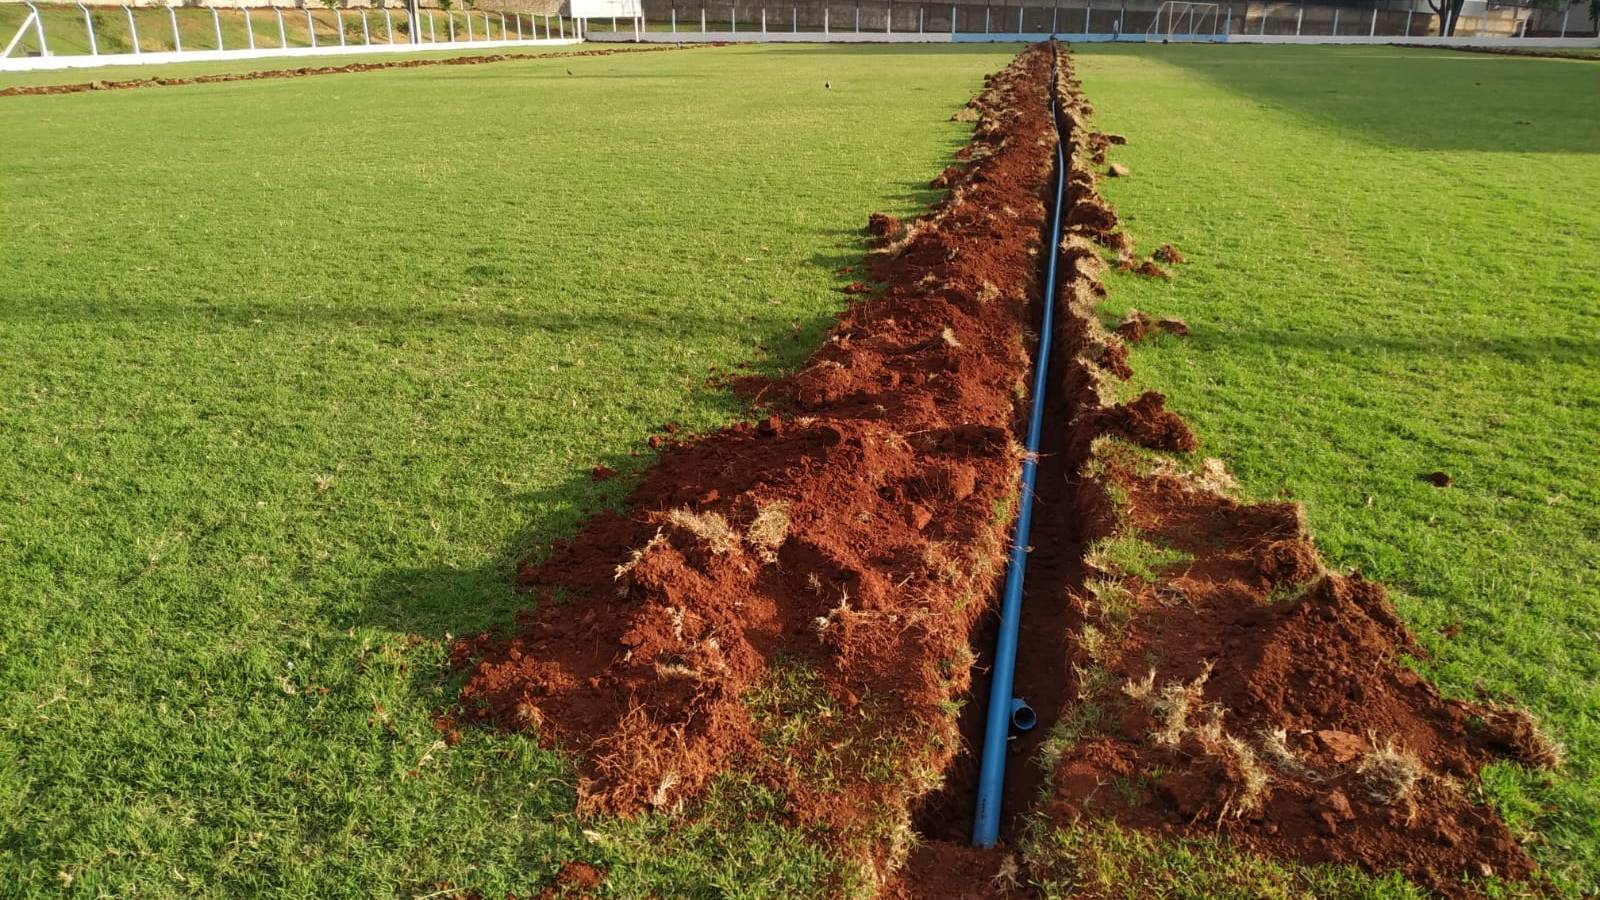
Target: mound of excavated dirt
<point>850,543</point>
<point>1252,693</point>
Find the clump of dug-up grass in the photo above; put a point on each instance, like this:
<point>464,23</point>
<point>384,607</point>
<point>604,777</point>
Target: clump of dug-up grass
<point>769,530</point>
<point>1171,705</point>
<point>1390,772</point>
<point>711,528</point>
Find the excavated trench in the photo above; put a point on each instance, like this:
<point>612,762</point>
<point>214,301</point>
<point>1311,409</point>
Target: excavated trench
<point>805,602</point>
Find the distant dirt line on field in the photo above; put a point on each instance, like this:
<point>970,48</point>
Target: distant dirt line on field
<point>323,70</point>
<point>1512,51</point>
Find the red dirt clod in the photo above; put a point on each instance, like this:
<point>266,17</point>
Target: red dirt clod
<point>1439,479</point>
<point>1175,327</point>
<point>1134,326</point>
<point>576,879</point>
<point>1169,254</point>
<point>1148,423</point>
<point>1118,170</point>
<point>946,178</point>
<point>882,228</point>
<point>602,472</point>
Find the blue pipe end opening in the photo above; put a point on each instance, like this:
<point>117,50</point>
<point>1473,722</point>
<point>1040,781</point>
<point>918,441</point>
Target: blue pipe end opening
<point>1023,718</point>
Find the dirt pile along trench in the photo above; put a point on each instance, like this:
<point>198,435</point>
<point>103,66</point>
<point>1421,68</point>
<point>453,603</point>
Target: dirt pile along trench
<point>303,71</point>
<point>1218,670</point>
<point>797,601</point>
<point>795,598</point>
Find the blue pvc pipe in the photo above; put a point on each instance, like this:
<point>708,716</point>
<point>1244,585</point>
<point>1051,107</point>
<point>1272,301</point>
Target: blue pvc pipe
<point>991,778</point>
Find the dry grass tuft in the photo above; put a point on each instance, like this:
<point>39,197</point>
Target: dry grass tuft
<point>1275,745</point>
<point>1248,773</point>
<point>711,528</point>
<point>1390,772</point>
<point>637,555</point>
<point>1172,705</point>
<point>769,530</point>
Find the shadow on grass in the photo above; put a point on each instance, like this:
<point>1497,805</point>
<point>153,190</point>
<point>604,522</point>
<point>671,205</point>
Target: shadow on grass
<point>1417,98</point>
<point>445,600</point>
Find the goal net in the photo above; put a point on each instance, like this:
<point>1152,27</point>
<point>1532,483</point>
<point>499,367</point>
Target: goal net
<point>1180,19</point>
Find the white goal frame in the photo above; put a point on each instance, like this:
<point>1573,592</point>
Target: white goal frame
<point>1184,18</point>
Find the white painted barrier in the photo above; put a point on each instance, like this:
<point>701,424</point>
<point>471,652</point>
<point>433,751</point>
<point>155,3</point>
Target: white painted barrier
<point>42,63</point>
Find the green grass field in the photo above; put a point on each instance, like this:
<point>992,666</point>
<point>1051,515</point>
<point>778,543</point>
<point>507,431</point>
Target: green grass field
<point>1393,272</point>
<point>292,371</point>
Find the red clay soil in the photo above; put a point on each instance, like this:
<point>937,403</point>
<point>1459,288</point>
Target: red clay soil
<point>855,538</point>
<point>303,71</point>
<point>576,879</point>
<point>1279,708</point>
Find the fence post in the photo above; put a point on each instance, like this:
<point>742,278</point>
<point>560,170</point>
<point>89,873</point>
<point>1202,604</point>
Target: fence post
<point>763,20</point>
<point>1299,18</point>
<point>216,26</point>
<point>133,30</point>
<point>920,11</point>
<point>1336,21</point>
<point>1263,20</point>
<point>952,18</point>
<point>888,17</point>
<point>858,18</point>
<point>449,22</point>
<point>249,27</point>
<point>1227,27</point>
<point>311,27</point>
<point>503,27</point>
<point>1565,16</point>
<point>366,30</point>
<point>1089,6</point>
<point>88,24</point>
<point>469,26</point>
<point>794,26</point>
<point>338,16</point>
<point>702,20</point>
<point>986,20</point>
<point>733,18</point>
<point>177,41</point>
<point>1373,31</point>
<point>1019,20</point>
<point>825,20</point>
<point>283,33</point>
<point>1409,13</point>
<point>674,20</point>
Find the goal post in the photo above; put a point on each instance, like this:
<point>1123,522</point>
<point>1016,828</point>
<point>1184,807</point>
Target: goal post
<point>1185,19</point>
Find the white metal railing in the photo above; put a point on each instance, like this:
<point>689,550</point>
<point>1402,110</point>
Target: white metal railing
<point>482,29</point>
